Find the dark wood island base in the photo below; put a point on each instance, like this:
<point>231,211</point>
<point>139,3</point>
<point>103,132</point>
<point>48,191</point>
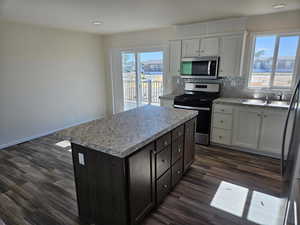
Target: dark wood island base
<point>122,191</point>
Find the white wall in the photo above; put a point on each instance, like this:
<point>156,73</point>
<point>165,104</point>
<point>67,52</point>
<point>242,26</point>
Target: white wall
<point>271,22</point>
<point>49,79</point>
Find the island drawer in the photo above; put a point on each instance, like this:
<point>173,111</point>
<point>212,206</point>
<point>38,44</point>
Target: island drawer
<point>177,149</point>
<point>163,161</point>
<point>177,132</point>
<point>176,172</point>
<point>163,142</point>
<point>163,186</point>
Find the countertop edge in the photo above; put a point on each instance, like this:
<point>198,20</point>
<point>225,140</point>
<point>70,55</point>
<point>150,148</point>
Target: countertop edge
<point>136,147</point>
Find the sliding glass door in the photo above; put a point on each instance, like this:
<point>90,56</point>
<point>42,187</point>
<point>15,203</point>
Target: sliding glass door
<point>142,77</point>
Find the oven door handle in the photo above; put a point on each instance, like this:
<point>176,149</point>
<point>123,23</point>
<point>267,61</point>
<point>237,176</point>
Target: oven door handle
<point>191,107</point>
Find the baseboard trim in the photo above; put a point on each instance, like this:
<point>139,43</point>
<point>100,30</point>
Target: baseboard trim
<point>21,140</point>
<point>272,155</point>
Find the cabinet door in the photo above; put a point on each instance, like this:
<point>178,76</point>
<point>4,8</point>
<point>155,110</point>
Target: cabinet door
<point>271,131</point>
<point>230,52</point>
<point>175,57</point>
<point>189,143</point>
<point>209,47</point>
<point>246,127</point>
<point>141,183</point>
<point>190,48</point>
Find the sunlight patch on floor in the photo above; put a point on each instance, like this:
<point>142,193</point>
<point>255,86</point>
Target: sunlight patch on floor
<point>266,209</point>
<point>63,144</point>
<point>230,198</point>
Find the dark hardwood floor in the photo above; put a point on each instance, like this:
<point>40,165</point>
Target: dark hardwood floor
<point>37,187</point>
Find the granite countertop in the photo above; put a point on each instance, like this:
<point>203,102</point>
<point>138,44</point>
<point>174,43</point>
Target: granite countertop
<point>253,102</point>
<point>123,133</point>
<point>170,96</point>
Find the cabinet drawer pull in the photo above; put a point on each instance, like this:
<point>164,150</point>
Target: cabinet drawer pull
<point>166,143</point>
<point>221,121</point>
<point>178,172</point>
<point>220,137</point>
<point>165,186</point>
<point>179,149</point>
<point>163,160</point>
<point>222,110</point>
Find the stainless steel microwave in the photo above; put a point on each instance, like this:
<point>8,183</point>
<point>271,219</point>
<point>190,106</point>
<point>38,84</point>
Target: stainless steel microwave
<point>200,67</point>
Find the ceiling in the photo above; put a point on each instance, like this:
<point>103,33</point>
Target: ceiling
<point>130,15</point>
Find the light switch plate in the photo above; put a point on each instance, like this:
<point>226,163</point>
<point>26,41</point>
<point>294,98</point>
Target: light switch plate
<point>81,159</point>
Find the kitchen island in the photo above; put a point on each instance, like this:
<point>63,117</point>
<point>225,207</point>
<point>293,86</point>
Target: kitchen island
<point>125,165</point>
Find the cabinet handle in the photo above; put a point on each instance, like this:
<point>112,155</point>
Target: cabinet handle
<point>166,143</point>
<point>179,149</point>
<point>220,137</point>
<point>258,114</point>
<point>265,116</point>
<point>163,160</point>
<point>178,172</point>
<point>222,110</point>
<point>221,121</point>
<point>165,186</point>
<point>179,134</point>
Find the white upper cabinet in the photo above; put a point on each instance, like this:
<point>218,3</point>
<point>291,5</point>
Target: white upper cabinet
<point>271,131</point>
<point>175,57</point>
<point>209,46</point>
<point>246,127</point>
<point>190,48</point>
<point>231,51</point>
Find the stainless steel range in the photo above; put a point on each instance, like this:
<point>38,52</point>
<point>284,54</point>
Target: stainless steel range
<point>199,96</point>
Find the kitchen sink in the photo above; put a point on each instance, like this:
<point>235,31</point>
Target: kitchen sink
<point>260,102</point>
<point>278,103</point>
<point>254,102</point>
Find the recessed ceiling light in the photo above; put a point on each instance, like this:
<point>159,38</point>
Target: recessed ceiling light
<point>279,5</point>
<point>96,22</point>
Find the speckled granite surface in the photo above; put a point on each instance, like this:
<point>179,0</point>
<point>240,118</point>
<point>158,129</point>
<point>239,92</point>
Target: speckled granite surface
<point>126,132</point>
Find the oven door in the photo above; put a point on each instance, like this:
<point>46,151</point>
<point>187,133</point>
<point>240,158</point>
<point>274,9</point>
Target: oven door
<point>205,68</point>
<point>203,123</point>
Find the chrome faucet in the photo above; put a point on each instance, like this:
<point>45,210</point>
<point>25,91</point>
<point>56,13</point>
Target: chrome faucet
<point>280,96</point>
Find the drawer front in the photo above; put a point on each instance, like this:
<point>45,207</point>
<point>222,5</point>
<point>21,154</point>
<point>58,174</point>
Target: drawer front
<point>163,161</point>
<point>177,132</point>
<point>163,142</point>
<point>177,149</point>
<point>223,121</point>
<point>221,136</point>
<point>177,170</point>
<point>163,186</point>
<point>223,108</point>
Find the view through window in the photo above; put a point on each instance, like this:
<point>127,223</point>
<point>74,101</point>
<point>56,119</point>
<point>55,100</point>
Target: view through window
<point>142,74</point>
<point>274,61</point>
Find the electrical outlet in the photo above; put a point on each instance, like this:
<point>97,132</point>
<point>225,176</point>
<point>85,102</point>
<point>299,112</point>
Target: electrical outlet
<point>81,159</point>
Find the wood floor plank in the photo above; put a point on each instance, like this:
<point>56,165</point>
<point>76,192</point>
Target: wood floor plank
<point>37,186</point>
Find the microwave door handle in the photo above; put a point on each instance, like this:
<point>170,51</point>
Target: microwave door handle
<point>208,68</point>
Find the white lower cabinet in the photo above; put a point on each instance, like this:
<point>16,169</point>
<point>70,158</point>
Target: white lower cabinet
<point>272,131</point>
<point>253,128</point>
<point>246,127</point>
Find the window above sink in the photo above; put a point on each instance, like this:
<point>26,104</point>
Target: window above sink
<point>274,61</point>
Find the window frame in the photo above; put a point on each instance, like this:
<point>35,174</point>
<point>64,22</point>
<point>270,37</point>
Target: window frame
<point>277,35</point>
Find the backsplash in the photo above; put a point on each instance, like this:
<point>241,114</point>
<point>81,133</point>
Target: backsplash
<point>231,87</point>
